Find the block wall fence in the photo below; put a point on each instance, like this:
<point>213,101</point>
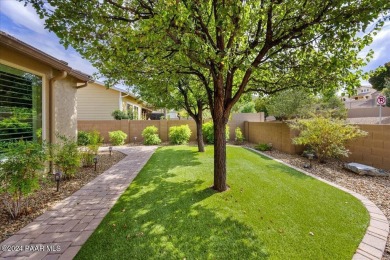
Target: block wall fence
<point>134,128</point>
<point>373,150</point>
<point>368,112</point>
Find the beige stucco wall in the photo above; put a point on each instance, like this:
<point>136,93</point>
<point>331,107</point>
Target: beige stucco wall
<point>64,93</point>
<point>96,102</point>
<point>65,111</point>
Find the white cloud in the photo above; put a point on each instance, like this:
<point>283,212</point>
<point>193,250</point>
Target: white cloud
<point>21,15</point>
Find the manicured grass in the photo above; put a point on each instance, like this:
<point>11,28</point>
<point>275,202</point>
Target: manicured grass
<point>271,211</point>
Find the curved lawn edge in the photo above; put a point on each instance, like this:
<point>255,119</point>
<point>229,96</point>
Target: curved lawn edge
<point>373,243</point>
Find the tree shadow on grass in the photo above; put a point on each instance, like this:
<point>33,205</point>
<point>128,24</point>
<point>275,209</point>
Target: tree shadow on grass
<point>161,218</point>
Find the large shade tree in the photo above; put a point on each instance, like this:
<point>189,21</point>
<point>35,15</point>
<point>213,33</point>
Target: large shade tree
<point>240,45</point>
<point>380,76</point>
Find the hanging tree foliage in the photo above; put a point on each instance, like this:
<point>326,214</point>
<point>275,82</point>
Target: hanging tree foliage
<point>242,46</point>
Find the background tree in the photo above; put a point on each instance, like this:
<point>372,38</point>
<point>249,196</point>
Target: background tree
<point>248,107</point>
<point>261,105</point>
<point>379,76</point>
<point>386,92</point>
<point>240,45</point>
<point>291,103</point>
<point>331,107</point>
<point>184,93</point>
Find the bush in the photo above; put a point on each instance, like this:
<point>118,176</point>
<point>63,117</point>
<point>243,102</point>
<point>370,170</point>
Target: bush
<point>83,138</point>
<point>95,138</point>
<point>19,173</point>
<point>179,134</point>
<point>117,137</point>
<point>66,157</point>
<point>325,136</point>
<point>208,132</point>
<point>263,147</point>
<point>119,115</point>
<point>86,156</point>
<point>150,136</point>
<point>239,137</point>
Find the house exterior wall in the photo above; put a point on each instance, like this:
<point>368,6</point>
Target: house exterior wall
<point>65,114</point>
<point>96,102</point>
<point>134,102</point>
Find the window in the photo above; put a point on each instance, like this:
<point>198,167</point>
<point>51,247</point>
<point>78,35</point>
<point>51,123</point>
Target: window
<point>20,105</point>
<point>132,111</point>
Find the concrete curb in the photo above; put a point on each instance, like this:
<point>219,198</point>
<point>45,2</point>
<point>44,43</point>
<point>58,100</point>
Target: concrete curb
<point>373,243</point>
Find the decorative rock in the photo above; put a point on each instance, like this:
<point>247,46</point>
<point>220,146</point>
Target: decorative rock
<point>362,169</point>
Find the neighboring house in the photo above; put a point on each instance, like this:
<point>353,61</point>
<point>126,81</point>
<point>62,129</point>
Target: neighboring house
<point>97,102</point>
<point>37,93</point>
<point>365,97</point>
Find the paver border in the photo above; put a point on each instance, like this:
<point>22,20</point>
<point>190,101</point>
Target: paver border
<point>374,241</point>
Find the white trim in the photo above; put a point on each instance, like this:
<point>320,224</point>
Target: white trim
<point>44,86</point>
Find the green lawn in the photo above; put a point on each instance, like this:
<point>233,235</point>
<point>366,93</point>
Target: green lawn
<point>169,212</point>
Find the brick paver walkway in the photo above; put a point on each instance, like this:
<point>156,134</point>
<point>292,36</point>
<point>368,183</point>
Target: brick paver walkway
<point>60,232</point>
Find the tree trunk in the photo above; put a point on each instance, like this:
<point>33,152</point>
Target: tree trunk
<point>199,131</point>
<point>219,120</point>
<point>220,156</point>
<point>199,135</point>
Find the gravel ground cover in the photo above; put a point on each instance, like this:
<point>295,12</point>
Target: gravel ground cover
<point>377,189</point>
<point>47,196</point>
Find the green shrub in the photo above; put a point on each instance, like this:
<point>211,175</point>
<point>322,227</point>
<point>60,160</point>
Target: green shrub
<point>179,134</point>
<point>239,137</point>
<point>325,136</point>
<point>263,147</point>
<point>19,173</point>
<point>150,136</point>
<point>86,156</point>
<point>66,157</point>
<point>83,138</point>
<point>208,132</point>
<point>117,137</point>
<point>119,115</point>
<point>95,138</point>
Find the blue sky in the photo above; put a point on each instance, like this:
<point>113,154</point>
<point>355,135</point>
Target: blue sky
<point>24,24</point>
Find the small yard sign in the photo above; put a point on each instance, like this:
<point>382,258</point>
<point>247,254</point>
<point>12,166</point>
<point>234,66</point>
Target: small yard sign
<point>381,100</point>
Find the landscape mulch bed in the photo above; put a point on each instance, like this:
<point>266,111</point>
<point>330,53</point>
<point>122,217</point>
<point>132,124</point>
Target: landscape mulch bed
<point>376,189</point>
<point>47,196</point>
